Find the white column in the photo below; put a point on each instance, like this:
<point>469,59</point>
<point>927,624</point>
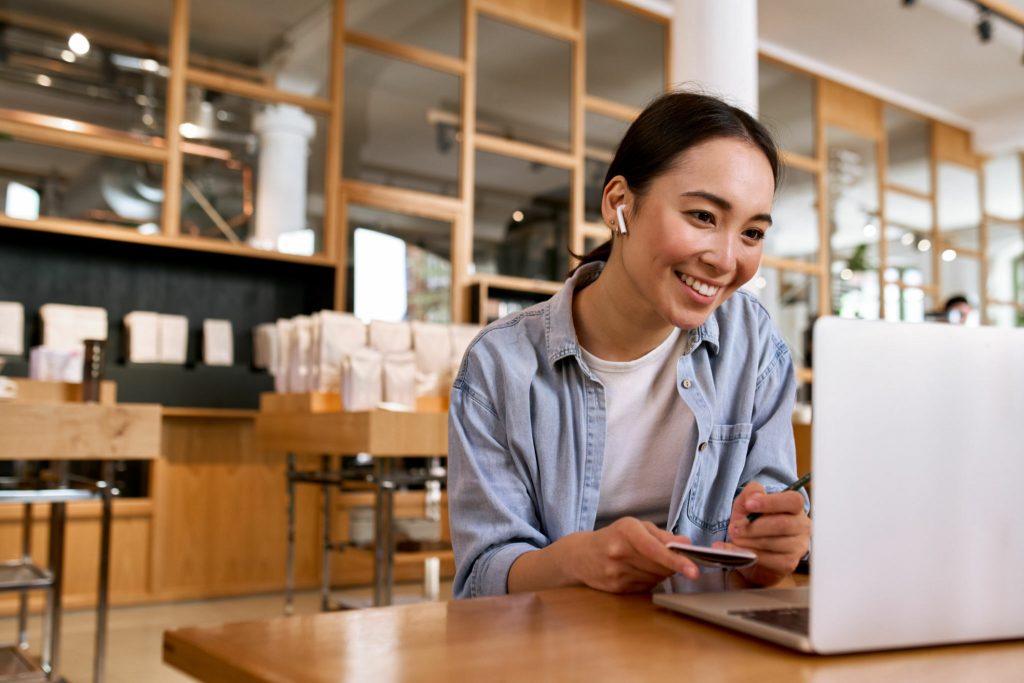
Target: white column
<point>714,47</point>
<point>285,131</point>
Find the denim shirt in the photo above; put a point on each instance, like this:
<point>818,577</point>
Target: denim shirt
<point>526,432</point>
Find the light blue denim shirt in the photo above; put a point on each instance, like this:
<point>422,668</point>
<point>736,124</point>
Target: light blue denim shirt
<point>526,432</point>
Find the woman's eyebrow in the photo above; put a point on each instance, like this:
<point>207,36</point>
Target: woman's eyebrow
<point>724,204</point>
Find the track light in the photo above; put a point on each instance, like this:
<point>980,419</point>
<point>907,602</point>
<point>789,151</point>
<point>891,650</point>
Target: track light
<point>984,26</point>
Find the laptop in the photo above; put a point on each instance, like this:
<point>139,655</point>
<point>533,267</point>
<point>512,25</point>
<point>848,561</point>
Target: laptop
<point>918,495</point>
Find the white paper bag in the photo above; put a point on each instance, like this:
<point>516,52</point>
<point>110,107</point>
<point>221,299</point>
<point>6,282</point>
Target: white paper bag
<point>433,349</point>
<point>218,342</point>
<point>55,365</point>
<point>388,337</point>
<point>400,379</point>
<point>65,326</point>
<point>339,334</point>
<point>12,328</point>
<point>284,352</point>
<point>142,331</point>
<point>361,376</point>
<point>264,347</point>
<point>301,350</point>
<point>173,341</point>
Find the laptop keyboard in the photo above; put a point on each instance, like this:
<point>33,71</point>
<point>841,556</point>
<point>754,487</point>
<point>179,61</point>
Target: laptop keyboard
<point>795,619</point>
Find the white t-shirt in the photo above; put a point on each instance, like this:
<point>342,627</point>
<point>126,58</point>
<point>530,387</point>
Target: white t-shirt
<point>649,429</point>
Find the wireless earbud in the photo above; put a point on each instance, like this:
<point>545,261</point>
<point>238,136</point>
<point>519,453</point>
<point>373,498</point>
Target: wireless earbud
<point>622,218</point>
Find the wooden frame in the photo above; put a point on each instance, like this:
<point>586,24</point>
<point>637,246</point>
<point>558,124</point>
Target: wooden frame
<point>255,91</point>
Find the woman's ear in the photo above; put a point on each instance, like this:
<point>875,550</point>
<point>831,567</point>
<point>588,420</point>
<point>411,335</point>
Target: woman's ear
<point>614,202</point>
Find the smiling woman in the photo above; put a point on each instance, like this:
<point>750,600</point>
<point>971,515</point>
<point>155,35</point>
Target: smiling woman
<point>630,409</point>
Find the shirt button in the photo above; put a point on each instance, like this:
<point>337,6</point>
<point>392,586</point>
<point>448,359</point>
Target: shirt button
<point>703,446</point>
<point>687,384</point>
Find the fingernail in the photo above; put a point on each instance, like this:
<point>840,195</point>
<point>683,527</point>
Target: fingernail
<point>692,573</point>
<point>754,504</point>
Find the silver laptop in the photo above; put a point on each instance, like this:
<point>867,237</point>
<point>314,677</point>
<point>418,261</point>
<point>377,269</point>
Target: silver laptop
<point>918,495</point>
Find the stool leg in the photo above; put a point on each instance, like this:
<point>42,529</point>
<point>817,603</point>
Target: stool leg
<point>102,593</point>
<point>52,618</point>
<point>289,577</point>
<point>26,558</point>
<point>325,557</point>
<point>384,538</point>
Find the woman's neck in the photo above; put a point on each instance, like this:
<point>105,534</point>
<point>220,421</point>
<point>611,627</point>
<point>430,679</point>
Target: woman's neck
<point>612,321</point>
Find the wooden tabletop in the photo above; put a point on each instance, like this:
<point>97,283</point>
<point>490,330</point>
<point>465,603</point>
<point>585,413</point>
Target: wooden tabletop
<point>564,634</point>
<point>77,431</point>
<point>381,433</point>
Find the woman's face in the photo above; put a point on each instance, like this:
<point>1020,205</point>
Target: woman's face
<point>697,235</point>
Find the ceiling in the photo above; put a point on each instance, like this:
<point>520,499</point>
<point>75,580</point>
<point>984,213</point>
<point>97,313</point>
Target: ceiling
<point>927,57</point>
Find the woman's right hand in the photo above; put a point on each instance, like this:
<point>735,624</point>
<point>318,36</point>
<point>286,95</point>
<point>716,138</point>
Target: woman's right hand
<point>628,556</point>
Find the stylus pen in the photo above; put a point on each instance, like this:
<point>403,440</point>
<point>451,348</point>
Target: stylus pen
<point>795,486</point>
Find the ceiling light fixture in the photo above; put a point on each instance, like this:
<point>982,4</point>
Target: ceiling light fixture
<point>68,56</point>
<point>79,44</point>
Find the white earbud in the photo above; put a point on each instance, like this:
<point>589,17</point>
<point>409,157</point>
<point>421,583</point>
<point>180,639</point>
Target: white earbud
<point>622,219</point>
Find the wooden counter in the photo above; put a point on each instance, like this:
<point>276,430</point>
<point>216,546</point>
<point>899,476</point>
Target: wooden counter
<point>380,432</point>
<point>565,634</point>
<point>78,431</point>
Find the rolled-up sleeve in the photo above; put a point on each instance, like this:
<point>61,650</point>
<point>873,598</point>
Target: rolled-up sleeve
<point>771,458</point>
<point>493,517</point>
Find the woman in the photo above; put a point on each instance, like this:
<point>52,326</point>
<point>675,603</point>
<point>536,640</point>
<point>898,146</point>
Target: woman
<point>648,401</point>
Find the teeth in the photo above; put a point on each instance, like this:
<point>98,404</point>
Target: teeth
<point>705,289</point>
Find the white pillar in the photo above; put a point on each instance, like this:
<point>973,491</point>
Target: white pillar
<point>714,47</point>
<point>285,131</point>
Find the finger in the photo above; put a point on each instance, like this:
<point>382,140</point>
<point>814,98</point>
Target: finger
<point>649,546</point>
<point>790,502</point>
<point>771,525</point>
<point>665,536</point>
<point>777,544</point>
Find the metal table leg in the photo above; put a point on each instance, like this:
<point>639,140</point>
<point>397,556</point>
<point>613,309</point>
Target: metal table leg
<point>325,557</point>
<point>289,578</point>
<point>51,638</point>
<point>384,536</point>
<point>107,493</point>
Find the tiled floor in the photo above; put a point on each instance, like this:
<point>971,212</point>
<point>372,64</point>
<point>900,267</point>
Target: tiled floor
<point>135,634</point>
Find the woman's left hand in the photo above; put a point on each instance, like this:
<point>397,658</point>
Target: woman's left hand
<point>780,537</point>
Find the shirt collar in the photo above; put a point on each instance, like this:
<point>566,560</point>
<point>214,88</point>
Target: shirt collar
<point>561,333</point>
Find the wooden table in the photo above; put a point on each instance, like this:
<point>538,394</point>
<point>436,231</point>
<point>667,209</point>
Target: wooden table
<point>564,634</point>
<point>61,432</point>
<point>385,435</point>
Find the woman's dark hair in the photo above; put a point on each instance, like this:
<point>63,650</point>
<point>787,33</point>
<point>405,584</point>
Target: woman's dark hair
<point>669,126</point>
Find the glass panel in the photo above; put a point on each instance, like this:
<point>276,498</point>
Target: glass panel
<point>794,232</point>
<point>603,134</point>
<point>853,224</point>
<point>401,124</point>
<point>786,106</point>
<point>1002,315</point>
<point>632,76</point>
<point>521,213</point>
<point>111,74</point>
<point>501,302</point>
<point>1006,262</point>
<point>959,205</point>
<point>904,300</point>
<point>909,150</point>
<point>1004,186</point>
<point>400,265</point>
<point>909,235</point>
<point>283,44</point>
<point>227,184</point>
<point>524,80</point>
<point>961,276</point>
<point>792,301</point>
<point>431,24</point>
<point>40,181</point>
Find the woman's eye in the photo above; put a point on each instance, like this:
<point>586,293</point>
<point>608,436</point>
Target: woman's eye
<point>754,234</point>
<point>703,216</point>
